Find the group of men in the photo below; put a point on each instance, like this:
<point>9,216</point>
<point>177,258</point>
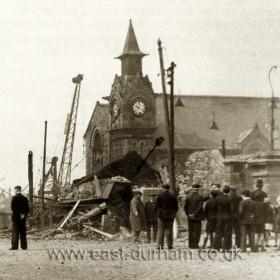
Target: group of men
<point>157,215</point>
<point>227,212</point>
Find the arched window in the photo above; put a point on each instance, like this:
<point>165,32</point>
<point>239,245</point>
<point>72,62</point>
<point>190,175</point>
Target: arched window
<point>97,151</point>
<point>141,145</point>
<point>134,146</point>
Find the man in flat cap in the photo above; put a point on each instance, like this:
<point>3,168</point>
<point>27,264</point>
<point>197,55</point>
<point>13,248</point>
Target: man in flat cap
<point>166,207</point>
<point>151,217</point>
<point>194,211</point>
<point>20,210</point>
<point>137,215</point>
<point>224,221</point>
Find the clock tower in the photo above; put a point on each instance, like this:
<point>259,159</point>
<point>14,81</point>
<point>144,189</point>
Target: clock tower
<point>132,104</point>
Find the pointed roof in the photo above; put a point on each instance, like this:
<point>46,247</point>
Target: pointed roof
<point>131,46</point>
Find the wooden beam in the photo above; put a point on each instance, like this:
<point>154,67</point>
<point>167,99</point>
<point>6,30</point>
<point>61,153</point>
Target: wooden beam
<point>99,231</point>
<point>69,215</point>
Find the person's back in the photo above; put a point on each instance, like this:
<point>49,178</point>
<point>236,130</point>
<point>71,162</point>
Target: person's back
<point>150,210</point>
<point>235,201</point>
<point>166,205</point>
<point>259,212</point>
<point>193,206</point>
<point>259,194</point>
<point>268,214</point>
<point>223,207</point>
<point>247,212</point>
<point>210,210</point>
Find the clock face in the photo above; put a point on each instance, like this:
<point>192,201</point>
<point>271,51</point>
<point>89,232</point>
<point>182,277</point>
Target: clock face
<point>115,109</point>
<point>139,108</point>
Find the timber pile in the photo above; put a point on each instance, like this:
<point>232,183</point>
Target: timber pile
<point>76,223</point>
<point>89,209</point>
<point>79,223</point>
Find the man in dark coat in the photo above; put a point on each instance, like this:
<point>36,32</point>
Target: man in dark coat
<point>137,215</point>
<point>166,208</point>
<point>259,193</point>
<point>224,223</point>
<point>235,201</point>
<point>210,214</point>
<point>194,211</point>
<point>151,218</point>
<point>20,210</point>
<point>247,214</point>
<point>259,222</point>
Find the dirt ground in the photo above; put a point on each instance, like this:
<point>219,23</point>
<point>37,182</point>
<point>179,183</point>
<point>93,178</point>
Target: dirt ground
<point>123,260</point>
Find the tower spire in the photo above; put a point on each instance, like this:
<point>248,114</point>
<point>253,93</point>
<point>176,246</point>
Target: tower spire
<point>131,56</point>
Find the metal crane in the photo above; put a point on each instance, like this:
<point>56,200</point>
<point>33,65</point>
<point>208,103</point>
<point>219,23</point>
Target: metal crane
<point>64,176</point>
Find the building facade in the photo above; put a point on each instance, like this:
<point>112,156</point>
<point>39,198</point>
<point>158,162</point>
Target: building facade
<point>133,118</point>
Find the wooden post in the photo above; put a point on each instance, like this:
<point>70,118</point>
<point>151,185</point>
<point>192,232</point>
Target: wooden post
<point>51,217</point>
<point>272,118</point>
<point>224,148</point>
<point>30,180</point>
<point>170,71</point>
<point>166,115</point>
<point>56,187</point>
<point>43,176</point>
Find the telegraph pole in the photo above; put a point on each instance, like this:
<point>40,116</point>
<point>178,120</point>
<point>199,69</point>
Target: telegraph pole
<point>170,75</point>
<point>167,121</point>
<point>43,177</point>
<point>30,179</point>
<point>272,119</point>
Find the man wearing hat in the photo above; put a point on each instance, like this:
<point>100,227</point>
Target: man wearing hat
<point>151,217</point>
<point>166,209</point>
<point>224,221</point>
<point>235,202</point>
<point>137,215</point>
<point>20,210</point>
<point>194,211</point>
<point>259,194</point>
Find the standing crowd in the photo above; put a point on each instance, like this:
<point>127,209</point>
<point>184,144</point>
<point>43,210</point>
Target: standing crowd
<point>248,216</point>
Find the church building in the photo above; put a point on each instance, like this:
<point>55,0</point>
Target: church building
<point>133,117</point>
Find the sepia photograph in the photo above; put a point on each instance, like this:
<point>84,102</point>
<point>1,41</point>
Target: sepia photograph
<point>140,140</point>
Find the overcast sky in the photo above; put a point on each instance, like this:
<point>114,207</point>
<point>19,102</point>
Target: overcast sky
<point>221,47</point>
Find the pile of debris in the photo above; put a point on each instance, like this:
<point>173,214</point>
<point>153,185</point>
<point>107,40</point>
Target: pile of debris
<point>90,209</point>
<point>204,167</point>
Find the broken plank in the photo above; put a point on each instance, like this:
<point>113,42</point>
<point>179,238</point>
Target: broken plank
<point>69,215</point>
<point>99,231</point>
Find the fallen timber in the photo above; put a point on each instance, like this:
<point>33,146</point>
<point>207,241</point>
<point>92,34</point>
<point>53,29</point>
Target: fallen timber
<point>87,211</point>
<point>104,199</point>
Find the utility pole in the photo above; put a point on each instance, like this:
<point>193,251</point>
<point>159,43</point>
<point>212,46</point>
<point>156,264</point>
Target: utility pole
<point>56,188</point>
<point>167,121</point>
<point>272,104</point>
<point>43,176</point>
<point>170,75</point>
<point>224,148</point>
<point>30,179</point>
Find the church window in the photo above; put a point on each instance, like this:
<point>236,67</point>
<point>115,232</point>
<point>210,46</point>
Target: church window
<point>97,151</point>
<point>134,146</point>
<point>142,144</point>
